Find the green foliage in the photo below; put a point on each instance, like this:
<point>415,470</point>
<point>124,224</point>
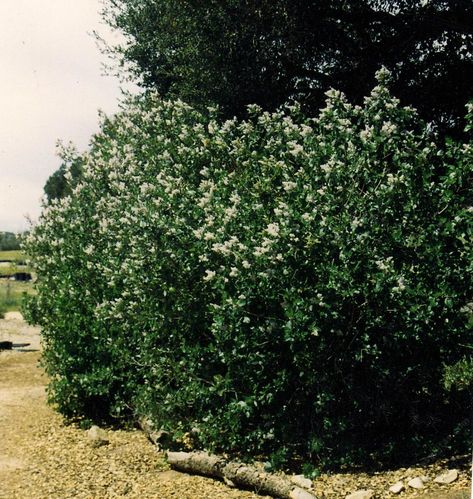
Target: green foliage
<point>278,286</point>
<point>233,52</point>
<point>459,375</point>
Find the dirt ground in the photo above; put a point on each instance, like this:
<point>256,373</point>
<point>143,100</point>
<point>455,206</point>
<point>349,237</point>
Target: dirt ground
<point>41,457</point>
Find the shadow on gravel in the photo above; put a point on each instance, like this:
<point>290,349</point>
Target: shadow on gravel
<point>459,494</point>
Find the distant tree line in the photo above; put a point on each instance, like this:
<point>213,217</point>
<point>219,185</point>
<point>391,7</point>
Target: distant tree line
<point>9,241</point>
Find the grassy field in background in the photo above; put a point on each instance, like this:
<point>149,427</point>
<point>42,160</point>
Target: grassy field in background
<point>9,262</point>
<point>12,255</point>
<point>11,293</point>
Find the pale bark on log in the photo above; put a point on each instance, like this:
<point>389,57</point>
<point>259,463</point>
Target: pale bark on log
<point>199,463</point>
<point>239,474</point>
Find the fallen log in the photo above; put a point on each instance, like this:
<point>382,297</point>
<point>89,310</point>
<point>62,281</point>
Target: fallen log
<point>237,474</point>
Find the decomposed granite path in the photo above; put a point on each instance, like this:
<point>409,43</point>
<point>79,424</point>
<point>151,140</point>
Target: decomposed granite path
<point>41,457</point>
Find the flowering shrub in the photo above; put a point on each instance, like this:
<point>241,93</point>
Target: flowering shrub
<point>280,285</point>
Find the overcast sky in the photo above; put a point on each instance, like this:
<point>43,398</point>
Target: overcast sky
<point>51,87</point>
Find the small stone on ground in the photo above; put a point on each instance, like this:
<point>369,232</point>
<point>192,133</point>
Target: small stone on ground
<point>447,477</point>
<point>301,481</point>
<point>416,483</point>
<point>396,488</point>
<point>97,437</point>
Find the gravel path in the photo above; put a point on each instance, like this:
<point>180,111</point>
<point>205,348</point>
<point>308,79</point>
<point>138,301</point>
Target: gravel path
<point>40,457</point>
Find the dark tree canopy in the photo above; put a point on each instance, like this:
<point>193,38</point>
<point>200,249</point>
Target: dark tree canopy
<point>57,186</point>
<point>236,52</point>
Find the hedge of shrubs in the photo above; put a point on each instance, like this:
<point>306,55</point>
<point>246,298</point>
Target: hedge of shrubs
<point>280,286</point>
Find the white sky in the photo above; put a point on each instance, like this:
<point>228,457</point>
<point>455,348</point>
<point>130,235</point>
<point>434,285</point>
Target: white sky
<point>51,87</point>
